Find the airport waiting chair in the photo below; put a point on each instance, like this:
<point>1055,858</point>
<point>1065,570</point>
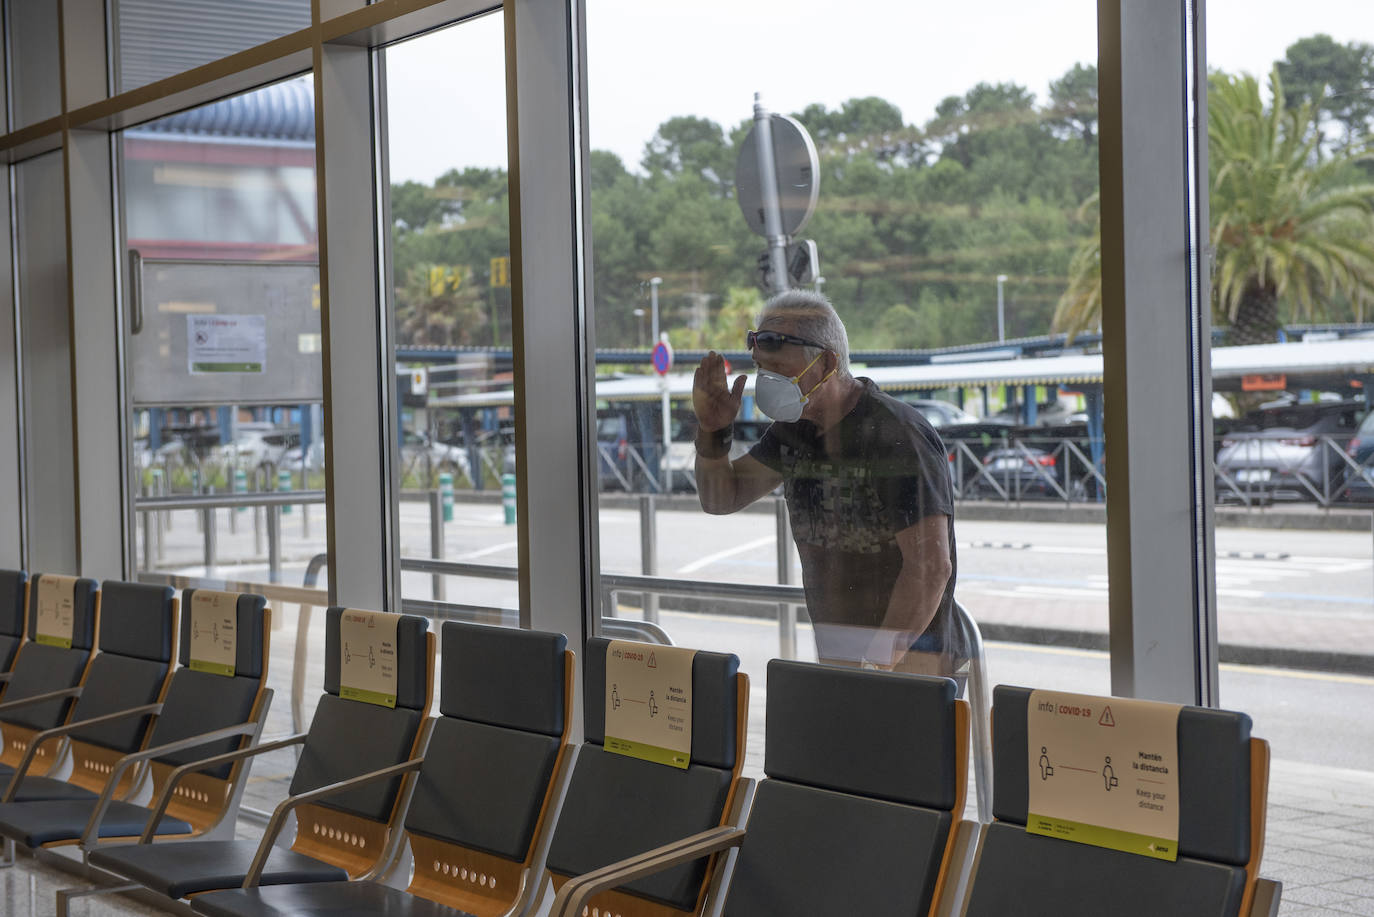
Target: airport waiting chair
<point>115,701</point>
<point>860,811</point>
<point>202,714</point>
<point>618,806</point>
<point>1223,784</point>
<point>14,591</point>
<point>44,680</point>
<point>346,792</point>
<point>485,799</point>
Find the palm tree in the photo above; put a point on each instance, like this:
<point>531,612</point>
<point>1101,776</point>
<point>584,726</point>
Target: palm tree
<point>1292,226</point>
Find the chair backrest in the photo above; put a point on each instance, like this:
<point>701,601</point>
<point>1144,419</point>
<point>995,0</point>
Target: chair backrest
<point>13,589</point>
<point>1222,774</point>
<point>40,668</point>
<point>198,702</point>
<point>348,738</point>
<point>866,775</point>
<point>667,803</point>
<point>137,638</point>
<point>485,793</point>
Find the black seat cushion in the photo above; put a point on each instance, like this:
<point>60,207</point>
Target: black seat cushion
<point>36,823</point>
<point>1213,775</point>
<point>812,851</point>
<point>503,677</point>
<point>1034,876</point>
<point>879,734</point>
<point>8,646</point>
<point>714,708</point>
<point>618,806</point>
<point>113,683</point>
<point>412,671</point>
<point>342,899</point>
<point>349,738</point>
<point>200,702</point>
<point>482,786</point>
<point>180,869</point>
<point>35,789</point>
<point>11,605</point>
<point>39,669</point>
<point>248,633</point>
<point>136,620</point>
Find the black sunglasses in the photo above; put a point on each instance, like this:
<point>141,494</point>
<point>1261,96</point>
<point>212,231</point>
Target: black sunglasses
<point>771,341</point>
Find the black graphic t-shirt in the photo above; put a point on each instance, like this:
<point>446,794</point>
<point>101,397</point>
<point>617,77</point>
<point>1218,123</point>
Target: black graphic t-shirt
<point>880,470</point>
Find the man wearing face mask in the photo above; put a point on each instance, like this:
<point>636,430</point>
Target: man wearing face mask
<point>867,486</point>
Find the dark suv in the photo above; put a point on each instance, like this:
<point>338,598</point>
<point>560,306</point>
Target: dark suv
<point>1289,452</point>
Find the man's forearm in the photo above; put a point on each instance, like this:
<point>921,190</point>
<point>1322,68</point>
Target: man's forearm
<point>715,484</point>
<point>915,599</point>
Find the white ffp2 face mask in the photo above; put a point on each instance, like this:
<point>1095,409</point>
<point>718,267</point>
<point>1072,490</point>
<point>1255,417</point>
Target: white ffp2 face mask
<point>780,397</point>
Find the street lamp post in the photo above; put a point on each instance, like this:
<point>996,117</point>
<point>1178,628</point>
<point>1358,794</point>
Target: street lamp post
<point>639,314</point>
<point>1001,324</point>
<point>654,284</point>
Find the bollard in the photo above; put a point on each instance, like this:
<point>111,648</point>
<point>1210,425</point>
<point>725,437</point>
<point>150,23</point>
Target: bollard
<point>508,497</point>
<point>648,553</point>
<point>787,613</point>
<point>446,494</point>
<point>240,486</point>
<point>284,486</point>
<point>436,539</point>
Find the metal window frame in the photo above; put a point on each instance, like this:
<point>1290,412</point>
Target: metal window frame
<point>1153,167</point>
<point>1160,527</point>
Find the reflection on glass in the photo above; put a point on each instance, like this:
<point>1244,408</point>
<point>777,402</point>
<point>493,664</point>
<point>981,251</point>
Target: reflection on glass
<point>224,355</point>
<point>451,286</point>
<point>954,192</point>
<point>157,39</point>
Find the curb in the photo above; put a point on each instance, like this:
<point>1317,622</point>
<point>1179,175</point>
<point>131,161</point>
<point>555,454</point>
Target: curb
<point>1239,654</point>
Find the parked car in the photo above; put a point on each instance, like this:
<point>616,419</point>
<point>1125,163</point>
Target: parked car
<point>1286,453</point>
<point>1357,484</point>
<point>1022,472</point>
<point>421,453</point>
<point>682,451</point>
<point>939,413</point>
<point>260,446</point>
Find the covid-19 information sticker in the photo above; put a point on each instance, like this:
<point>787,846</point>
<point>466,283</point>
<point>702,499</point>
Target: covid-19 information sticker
<point>1104,771</point>
<point>649,702</point>
<point>214,637</point>
<point>56,610</point>
<point>367,656</point>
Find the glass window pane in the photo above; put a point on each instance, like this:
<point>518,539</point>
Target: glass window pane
<point>954,191</point>
<point>35,80</point>
<point>1294,454</point>
<point>223,361</point>
<point>161,38</point>
<point>450,282</point>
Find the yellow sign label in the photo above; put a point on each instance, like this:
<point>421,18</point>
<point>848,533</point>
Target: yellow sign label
<point>649,702</point>
<point>367,656</point>
<point>1104,771</point>
<point>500,272</point>
<point>56,610</point>
<point>214,637</point>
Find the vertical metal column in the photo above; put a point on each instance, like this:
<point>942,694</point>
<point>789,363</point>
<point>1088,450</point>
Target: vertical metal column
<point>1156,351</point>
<point>772,210</point>
<point>436,539</point>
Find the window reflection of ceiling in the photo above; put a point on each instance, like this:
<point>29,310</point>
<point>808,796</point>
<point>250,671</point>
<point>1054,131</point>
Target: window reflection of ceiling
<point>161,38</point>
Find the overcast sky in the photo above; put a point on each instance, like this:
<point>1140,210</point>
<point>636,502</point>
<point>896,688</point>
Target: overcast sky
<point>649,61</point>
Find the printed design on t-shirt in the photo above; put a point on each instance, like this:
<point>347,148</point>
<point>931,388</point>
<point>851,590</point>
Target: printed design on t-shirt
<point>836,505</point>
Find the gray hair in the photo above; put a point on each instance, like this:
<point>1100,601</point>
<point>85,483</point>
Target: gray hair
<point>812,317</point>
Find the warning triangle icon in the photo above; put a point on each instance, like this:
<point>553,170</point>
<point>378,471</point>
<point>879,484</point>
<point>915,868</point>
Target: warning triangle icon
<point>653,663</point>
<point>1106,719</point>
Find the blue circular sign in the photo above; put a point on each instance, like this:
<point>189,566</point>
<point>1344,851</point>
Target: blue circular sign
<point>662,358</point>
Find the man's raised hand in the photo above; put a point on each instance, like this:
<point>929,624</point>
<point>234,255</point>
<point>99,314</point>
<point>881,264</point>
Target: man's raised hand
<point>715,404</point>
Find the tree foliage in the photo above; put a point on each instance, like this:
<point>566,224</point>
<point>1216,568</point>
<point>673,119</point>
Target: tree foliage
<point>916,219</point>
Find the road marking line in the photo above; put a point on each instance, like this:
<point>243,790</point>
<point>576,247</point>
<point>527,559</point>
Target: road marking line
<point>1225,666</point>
<point>493,549</point>
<point>709,559</point>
